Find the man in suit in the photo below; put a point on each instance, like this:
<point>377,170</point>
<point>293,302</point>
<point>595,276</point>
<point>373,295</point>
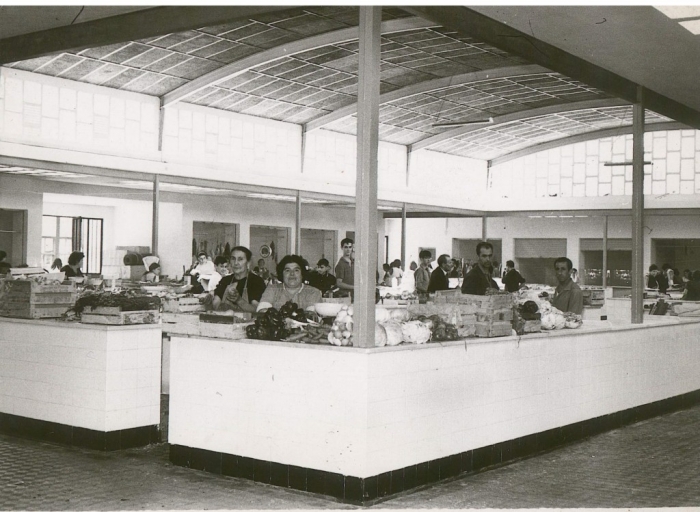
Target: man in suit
<point>439,279</point>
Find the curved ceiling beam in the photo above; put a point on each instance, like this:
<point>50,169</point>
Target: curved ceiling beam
<point>427,86</point>
<point>584,137</point>
<point>518,116</point>
<point>121,28</point>
<point>285,50</point>
<point>470,22</point>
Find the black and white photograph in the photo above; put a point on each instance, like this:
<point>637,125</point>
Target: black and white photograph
<point>349,256</point>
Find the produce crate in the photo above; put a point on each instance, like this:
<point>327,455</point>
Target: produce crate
<point>182,305</point>
<point>180,323</point>
<point>462,316</point>
<point>26,298</point>
<point>229,331</point>
<point>493,329</point>
<point>113,315</point>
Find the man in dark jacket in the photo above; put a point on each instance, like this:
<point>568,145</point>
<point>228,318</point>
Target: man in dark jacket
<point>479,279</point>
<point>439,279</point>
<point>512,279</point>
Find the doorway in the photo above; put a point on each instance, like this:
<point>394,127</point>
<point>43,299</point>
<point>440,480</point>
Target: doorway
<point>316,244</point>
<point>13,239</point>
<point>680,253</point>
<point>214,238</point>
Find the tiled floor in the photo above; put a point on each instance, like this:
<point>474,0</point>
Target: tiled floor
<point>655,463</point>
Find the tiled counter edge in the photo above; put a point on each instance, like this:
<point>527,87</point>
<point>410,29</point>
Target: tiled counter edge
<point>92,386</point>
<point>491,439</point>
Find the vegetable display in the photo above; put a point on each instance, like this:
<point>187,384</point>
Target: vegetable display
<point>289,323</point>
<point>127,300</point>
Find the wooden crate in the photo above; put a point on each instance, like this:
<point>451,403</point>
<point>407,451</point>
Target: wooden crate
<point>182,305</point>
<point>180,323</point>
<point>29,299</point>
<point>493,329</point>
<point>115,316</point>
<point>227,331</point>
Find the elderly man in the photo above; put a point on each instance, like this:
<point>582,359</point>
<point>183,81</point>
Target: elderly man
<point>568,296</point>
<point>479,279</point>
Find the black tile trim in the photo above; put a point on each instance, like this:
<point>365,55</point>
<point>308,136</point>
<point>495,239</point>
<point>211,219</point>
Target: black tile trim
<point>377,488</point>
<point>41,430</point>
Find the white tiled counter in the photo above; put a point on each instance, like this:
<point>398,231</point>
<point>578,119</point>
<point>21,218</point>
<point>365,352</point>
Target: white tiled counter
<point>409,415</point>
<point>90,385</point>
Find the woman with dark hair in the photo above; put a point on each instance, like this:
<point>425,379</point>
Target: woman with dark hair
<point>75,262</point>
<point>241,290</point>
<point>292,271</point>
<point>153,274</point>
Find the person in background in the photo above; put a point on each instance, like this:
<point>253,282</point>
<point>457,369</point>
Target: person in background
<point>202,270</point>
<point>386,279</point>
<point>153,274</point>
<point>568,296</point>
<point>687,277</point>
<point>677,278</point>
<point>345,269</point>
<point>456,269</point>
<point>241,290</point>
<point>512,279</point>
<point>321,278</point>
<point>223,268</point>
<point>479,279</point>
<point>4,265</point>
<point>396,272</point>
<point>291,269</point>
<point>56,265</point>
<point>413,266</point>
<point>657,280</point>
<point>574,275</point>
<point>262,271</point>
<point>439,279</point>
<point>75,262</point>
<point>422,273</point>
<point>692,288</point>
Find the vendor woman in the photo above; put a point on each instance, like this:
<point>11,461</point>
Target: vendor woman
<point>75,262</point>
<point>292,270</point>
<point>241,290</point>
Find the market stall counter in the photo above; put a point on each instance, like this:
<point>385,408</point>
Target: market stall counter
<point>94,386</point>
<point>361,424</point>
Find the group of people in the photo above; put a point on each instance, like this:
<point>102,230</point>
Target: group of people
<point>232,285</point>
<point>667,278</point>
<point>478,279</point>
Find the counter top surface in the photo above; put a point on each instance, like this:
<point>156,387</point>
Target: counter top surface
<point>77,325</point>
<point>588,327</point>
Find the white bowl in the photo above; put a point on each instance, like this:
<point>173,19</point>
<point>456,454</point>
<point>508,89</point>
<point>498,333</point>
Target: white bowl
<point>327,308</point>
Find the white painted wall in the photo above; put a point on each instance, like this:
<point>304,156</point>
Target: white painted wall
<point>16,195</point>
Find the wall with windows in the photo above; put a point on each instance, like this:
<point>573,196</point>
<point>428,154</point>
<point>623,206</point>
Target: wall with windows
<point>59,113</point>
<point>54,119</point>
<point>579,170</point>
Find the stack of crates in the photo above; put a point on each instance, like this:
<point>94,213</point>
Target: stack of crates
<point>26,298</point>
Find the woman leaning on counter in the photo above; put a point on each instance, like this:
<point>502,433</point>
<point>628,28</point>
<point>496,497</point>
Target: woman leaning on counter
<point>241,290</point>
<point>291,269</point>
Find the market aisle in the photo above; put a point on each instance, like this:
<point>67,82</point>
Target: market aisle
<point>650,464</point>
